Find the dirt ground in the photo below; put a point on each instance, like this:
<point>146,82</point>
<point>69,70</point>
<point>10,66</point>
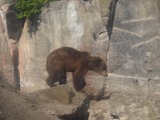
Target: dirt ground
<point>19,106</point>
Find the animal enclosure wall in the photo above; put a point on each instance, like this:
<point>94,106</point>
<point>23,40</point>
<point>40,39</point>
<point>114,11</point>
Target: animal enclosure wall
<point>124,32</point>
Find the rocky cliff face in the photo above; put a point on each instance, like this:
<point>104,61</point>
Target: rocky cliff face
<point>76,24</point>
<point>134,47</point>
<point>125,32</point>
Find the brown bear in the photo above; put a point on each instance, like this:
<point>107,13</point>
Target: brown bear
<point>66,59</point>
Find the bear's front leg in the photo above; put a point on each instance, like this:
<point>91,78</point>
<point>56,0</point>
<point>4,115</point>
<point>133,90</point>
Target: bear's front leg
<point>78,79</point>
<point>62,77</point>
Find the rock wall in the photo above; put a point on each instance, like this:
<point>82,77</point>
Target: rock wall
<point>134,55</point>
<point>5,56</point>
<point>72,23</point>
<point>124,32</point>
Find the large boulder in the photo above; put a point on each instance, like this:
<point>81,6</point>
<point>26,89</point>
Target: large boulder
<point>99,110</point>
<point>124,107</point>
<point>63,94</point>
<point>61,101</point>
<point>134,56</point>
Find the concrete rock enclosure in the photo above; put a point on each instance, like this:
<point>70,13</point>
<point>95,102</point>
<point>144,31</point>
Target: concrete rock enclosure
<point>134,55</point>
<point>72,23</point>
<point>124,32</point>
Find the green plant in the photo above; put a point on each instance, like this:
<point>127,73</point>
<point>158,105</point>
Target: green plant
<point>28,8</point>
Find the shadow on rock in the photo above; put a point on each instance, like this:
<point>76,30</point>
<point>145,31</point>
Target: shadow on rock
<point>63,102</point>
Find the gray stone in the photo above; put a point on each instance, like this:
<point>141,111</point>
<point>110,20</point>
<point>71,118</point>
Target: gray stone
<point>99,110</point>
<point>134,46</point>
<point>2,2</point>
<point>133,85</point>
<point>61,101</point>
<point>95,85</point>
<point>63,94</point>
<point>134,108</point>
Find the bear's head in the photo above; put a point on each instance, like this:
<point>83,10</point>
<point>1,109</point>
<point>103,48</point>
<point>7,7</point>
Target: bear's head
<point>98,65</point>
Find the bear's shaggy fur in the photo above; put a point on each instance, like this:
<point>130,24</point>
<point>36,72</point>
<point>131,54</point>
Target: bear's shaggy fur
<point>66,59</point>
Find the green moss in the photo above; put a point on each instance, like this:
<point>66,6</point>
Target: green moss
<point>28,8</point>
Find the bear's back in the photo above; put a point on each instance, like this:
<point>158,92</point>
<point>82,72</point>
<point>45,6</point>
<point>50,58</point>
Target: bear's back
<point>68,58</point>
<point>68,53</point>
